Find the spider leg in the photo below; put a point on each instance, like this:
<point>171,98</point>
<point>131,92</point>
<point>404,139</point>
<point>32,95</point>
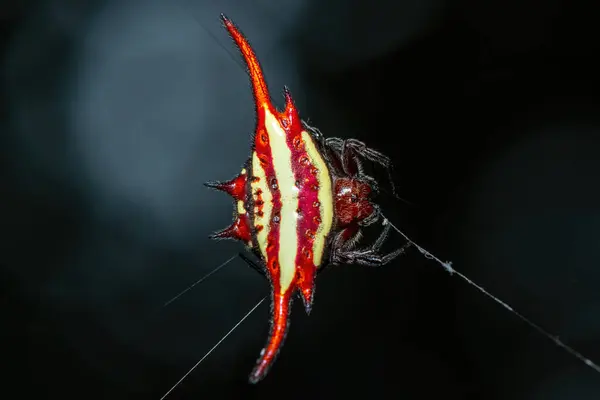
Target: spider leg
<point>371,219</point>
<point>369,256</point>
<point>349,149</point>
<point>350,163</point>
<point>377,157</point>
<point>384,235</point>
<point>370,259</point>
<point>344,241</point>
<point>314,132</point>
<point>253,265</point>
<point>335,143</point>
<point>372,155</point>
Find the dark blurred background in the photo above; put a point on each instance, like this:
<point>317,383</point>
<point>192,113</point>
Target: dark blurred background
<point>114,113</point>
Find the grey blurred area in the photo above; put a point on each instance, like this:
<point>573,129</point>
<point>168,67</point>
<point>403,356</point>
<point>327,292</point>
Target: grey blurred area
<point>115,113</point>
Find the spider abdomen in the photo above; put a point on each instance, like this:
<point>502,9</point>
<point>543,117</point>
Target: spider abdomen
<point>285,205</point>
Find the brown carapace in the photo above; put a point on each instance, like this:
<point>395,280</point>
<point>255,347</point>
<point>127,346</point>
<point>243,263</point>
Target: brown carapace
<point>301,201</point>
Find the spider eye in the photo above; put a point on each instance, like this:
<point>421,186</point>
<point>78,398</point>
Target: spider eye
<point>354,198</point>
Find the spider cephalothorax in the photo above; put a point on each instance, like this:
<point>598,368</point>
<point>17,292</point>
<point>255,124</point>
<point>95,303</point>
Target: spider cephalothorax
<point>301,202</point>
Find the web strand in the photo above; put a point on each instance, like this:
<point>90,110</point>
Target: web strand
<point>199,281</point>
<point>448,267</point>
<point>209,352</point>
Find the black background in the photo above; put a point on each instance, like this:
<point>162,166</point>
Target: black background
<point>489,110</point>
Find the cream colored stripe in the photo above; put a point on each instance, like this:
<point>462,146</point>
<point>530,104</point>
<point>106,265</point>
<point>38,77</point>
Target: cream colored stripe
<point>267,208</point>
<point>325,197</point>
<point>282,163</point>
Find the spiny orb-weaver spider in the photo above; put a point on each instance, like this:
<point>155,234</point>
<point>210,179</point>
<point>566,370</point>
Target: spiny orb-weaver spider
<point>302,200</point>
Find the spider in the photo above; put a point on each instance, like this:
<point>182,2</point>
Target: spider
<point>301,203</point>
